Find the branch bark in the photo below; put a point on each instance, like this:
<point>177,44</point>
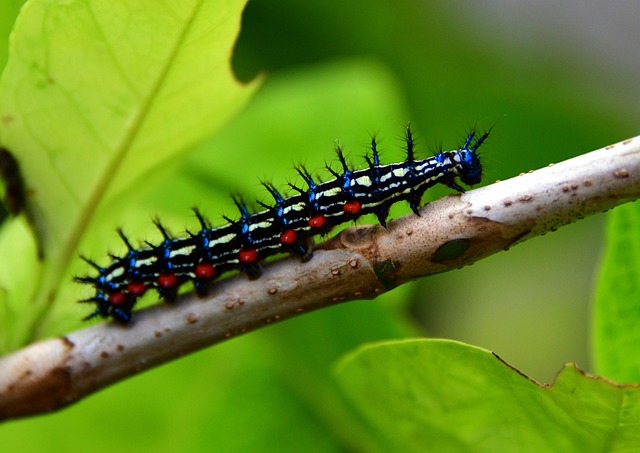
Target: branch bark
<point>358,263</point>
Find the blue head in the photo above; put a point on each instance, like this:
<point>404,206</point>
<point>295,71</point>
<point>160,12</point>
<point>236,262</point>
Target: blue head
<point>470,168</point>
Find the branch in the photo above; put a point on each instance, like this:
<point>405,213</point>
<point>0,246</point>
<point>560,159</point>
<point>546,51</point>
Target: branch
<point>358,263</point>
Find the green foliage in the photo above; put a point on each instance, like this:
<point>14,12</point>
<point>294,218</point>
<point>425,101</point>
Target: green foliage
<point>8,12</point>
<point>92,103</point>
<point>617,309</point>
<point>442,395</point>
<point>115,110</point>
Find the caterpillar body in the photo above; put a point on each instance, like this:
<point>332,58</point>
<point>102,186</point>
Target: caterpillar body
<point>286,226</point>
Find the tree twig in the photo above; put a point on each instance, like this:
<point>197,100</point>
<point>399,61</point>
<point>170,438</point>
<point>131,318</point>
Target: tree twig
<point>358,263</point>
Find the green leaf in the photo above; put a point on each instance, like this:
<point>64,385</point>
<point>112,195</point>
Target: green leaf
<point>616,335</point>
<point>98,94</point>
<point>8,12</point>
<point>445,396</point>
<point>16,282</point>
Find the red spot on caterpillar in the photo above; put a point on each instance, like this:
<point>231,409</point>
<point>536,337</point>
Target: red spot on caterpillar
<point>317,221</point>
<point>136,288</point>
<point>167,280</point>
<point>248,256</point>
<point>288,237</point>
<point>117,298</point>
<point>205,270</point>
<point>352,207</point>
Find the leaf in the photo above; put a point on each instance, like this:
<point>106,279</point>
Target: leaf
<point>8,12</point>
<point>445,396</point>
<point>98,94</point>
<point>617,307</point>
<point>17,283</point>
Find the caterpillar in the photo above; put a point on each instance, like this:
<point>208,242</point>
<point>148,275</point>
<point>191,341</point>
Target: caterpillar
<point>286,226</point>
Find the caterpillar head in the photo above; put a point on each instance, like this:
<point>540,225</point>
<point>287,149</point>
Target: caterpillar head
<point>469,167</point>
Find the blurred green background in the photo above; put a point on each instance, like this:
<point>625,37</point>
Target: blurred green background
<point>555,79</point>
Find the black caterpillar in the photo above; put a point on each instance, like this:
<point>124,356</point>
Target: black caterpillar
<point>287,226</point>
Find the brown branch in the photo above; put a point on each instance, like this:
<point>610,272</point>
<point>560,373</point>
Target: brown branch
<point>358,263</point>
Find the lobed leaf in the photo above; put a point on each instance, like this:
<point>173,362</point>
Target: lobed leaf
<point>441,395</point>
